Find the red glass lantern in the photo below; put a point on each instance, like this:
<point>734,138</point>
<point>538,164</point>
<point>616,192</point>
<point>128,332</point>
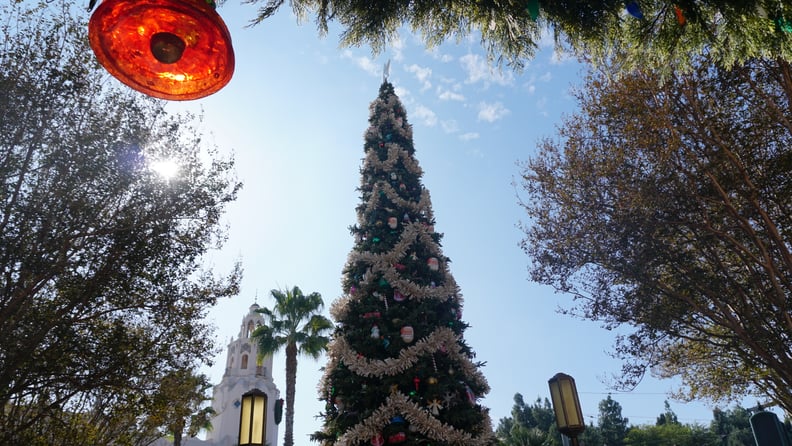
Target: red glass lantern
<point>169,49</point>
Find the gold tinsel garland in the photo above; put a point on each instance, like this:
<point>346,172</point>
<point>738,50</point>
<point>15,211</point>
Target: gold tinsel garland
<point>441,340</point>
<point>399,404</point>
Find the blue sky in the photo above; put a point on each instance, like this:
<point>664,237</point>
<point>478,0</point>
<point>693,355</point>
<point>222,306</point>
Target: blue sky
<point>294,116</point>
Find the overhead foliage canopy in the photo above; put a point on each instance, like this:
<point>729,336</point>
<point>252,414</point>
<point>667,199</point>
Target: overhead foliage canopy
<point>649,31</point>
<point>666,208</point>
<point>102,291</point>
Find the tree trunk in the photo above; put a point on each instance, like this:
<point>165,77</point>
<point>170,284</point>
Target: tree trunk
<point>291,379</point>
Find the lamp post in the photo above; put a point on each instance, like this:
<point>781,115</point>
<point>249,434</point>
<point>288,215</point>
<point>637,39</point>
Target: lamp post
<point>566,405</point>
<point>253,419</point>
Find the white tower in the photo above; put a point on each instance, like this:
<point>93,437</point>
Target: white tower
<point>243,373</point>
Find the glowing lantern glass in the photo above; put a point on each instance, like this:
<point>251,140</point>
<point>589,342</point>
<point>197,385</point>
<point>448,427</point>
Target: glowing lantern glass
<point>169,49</point>
<point>253,419</point>
<point>566,405</point>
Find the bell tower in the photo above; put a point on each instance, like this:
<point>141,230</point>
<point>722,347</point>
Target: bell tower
<point>243,372</point>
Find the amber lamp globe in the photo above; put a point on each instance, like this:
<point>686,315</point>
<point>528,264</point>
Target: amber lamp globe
<point>566,405</point>
<point>169,49</point>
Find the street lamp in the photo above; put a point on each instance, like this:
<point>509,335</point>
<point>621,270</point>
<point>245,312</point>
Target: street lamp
<point>253,419</point>
<point>566,405</point>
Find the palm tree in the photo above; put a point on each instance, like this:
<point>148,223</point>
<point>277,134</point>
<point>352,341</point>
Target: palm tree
<point>294,323</point>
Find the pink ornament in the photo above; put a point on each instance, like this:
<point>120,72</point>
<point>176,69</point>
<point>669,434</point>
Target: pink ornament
<point>433,263</point>
<point>407,334</point>
<point>398,296</point>
<point>393,222</point>
<point>470,395</point>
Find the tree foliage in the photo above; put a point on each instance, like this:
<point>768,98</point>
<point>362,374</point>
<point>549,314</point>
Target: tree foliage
<point>529,425</point>
<point>668,416</point>
<point>179,405</point>
<point>522,428</point>
<point>666,209</point>
<point>101,288</point>
<point>671,434</point>
<point>733,427</point>
<point>295,325</point>
<point>650,31</point>
<point>612,425</point>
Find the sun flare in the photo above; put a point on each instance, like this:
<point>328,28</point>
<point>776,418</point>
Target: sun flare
<point>166,168</point>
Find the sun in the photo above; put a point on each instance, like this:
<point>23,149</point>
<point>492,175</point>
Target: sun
<point>166,168</point>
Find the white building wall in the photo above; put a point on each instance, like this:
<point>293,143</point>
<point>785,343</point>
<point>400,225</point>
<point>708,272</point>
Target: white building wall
<point>242,374</point>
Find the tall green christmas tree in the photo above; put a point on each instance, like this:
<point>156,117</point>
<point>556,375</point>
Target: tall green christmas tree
<point>399,370</point>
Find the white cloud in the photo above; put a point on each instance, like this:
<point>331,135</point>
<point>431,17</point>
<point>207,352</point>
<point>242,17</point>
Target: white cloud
<point>422,74</point>
<point>403,94</point>
<point>530,86</point>
<point>437,55</point>
<point>492,112</point>
<point>364,63</point>
<point>469,136</point>
<point>448,95</point>
<point>427,116</point>
<point>449,126</point>
<point>561,57</point>
<point>478,70</point>
<point>397,47</point>
<point>546,40</point>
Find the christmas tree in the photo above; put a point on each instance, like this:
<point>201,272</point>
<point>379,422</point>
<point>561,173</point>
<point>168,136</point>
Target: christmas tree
<point>399,370</point>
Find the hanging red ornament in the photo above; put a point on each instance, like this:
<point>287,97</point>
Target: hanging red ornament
<point>679,15</point>
<point>416,381</point>
<point>168,49</point>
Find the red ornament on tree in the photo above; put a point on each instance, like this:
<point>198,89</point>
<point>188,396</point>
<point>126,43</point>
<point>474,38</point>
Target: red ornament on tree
<point>377,440</point>
<point>168,49</point>
<point>398,437</point>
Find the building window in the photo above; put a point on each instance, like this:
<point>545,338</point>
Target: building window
<point>244,362</point>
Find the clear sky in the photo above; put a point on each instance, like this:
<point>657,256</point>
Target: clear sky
<point>294,116</point>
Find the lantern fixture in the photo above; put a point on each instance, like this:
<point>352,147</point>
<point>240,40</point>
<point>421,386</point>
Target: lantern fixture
<point>253,418</point>
<point>767,429</point>
<point>168,49</point>
<point>566,405</point>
